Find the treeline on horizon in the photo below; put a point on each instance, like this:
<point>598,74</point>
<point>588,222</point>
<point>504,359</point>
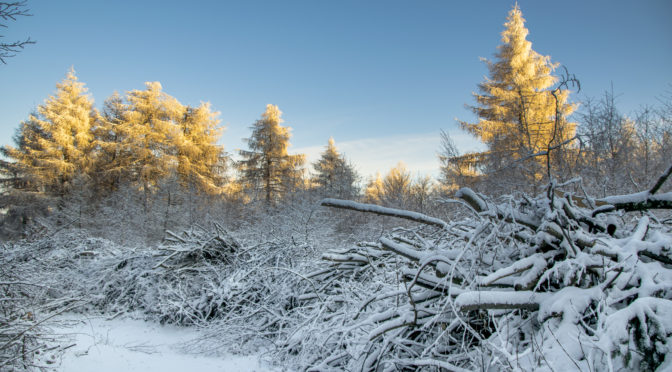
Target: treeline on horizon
<point>149,148</point>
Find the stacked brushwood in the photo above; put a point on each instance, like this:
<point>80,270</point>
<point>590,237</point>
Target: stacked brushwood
<point>552,283</point>
<point>201,276</point>
<point>22,338</point>
<point>176,282</point>
<point>28,303</point>
<point>262,299</point>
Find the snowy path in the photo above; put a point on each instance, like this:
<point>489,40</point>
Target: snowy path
<point>134,345</point>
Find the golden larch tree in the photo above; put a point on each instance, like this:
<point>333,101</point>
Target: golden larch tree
<point>55,144</point>
<point>517,109</point>
<point>149,133</point>
<point>110,167</point>
<point>152,137</point>
<point>374,191</point>
<point>201,161</point>
<point>397,186</point>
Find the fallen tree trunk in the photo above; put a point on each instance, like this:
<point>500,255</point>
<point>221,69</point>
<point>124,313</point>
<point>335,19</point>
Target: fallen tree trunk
<point>383,211</point>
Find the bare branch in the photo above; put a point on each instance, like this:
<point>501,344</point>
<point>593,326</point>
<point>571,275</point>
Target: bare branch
<point>9,11</point>
<point>661,180</point>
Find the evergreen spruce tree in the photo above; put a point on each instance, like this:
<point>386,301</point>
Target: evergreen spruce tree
<point>20,183</point>
<point>54,145</point>
<point>16,174</point>
<point>267,168</point>
<point>334,177</point>
<point>516,107</point>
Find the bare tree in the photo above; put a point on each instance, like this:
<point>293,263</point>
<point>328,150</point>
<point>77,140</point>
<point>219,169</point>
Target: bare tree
<point>9,11</point>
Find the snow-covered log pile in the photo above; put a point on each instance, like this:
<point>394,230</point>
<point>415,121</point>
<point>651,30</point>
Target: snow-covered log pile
<point>525,283</point>
<point>170,282</point>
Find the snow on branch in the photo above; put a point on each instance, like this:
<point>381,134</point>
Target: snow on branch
<point>640,201</point>
<point>475,201</point>
<point>507,214</point>
<point>499,300</point>
<point>440,364</point>
<point>402,249</point>
<point>536,263</point>
<point>383,211</point>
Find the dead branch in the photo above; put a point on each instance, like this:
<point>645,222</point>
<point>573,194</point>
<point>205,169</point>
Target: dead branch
<point>636,202</point>
<point>383,211</point>
<point>661,181</point>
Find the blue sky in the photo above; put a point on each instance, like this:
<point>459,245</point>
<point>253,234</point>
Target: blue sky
<point>381,77</point>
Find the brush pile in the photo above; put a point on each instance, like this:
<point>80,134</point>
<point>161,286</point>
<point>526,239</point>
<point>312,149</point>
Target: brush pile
<point>524,283</point>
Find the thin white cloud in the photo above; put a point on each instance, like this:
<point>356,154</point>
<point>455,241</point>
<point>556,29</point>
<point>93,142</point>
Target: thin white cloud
<point>416,151</point>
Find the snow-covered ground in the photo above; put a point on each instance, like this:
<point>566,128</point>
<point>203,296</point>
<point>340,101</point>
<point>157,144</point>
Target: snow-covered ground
<point>125,344</point>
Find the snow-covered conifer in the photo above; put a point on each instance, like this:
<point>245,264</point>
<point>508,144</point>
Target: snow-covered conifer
<point>267,169</point>
<point>201,161</point>
<point>54,145</point>
<point>334,177</point>
<point>516,108</point>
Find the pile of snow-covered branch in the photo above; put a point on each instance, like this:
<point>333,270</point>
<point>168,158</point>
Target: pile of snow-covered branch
<point>541,283</point>
<point>29,299</point>
<point>199,277</point>
<point>550,282</point>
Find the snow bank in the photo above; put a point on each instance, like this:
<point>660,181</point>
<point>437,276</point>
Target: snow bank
<point>133,345</point>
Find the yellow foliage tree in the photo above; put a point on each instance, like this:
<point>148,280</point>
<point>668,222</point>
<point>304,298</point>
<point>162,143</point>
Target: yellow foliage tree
<point>149,132</point>
<point>397,186</point>
<point>201,161</point>
<point>110,167</point>
<point>516,106</point>
<point>374,191</point>
<point>55,144</point>
<point>153,136</point>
